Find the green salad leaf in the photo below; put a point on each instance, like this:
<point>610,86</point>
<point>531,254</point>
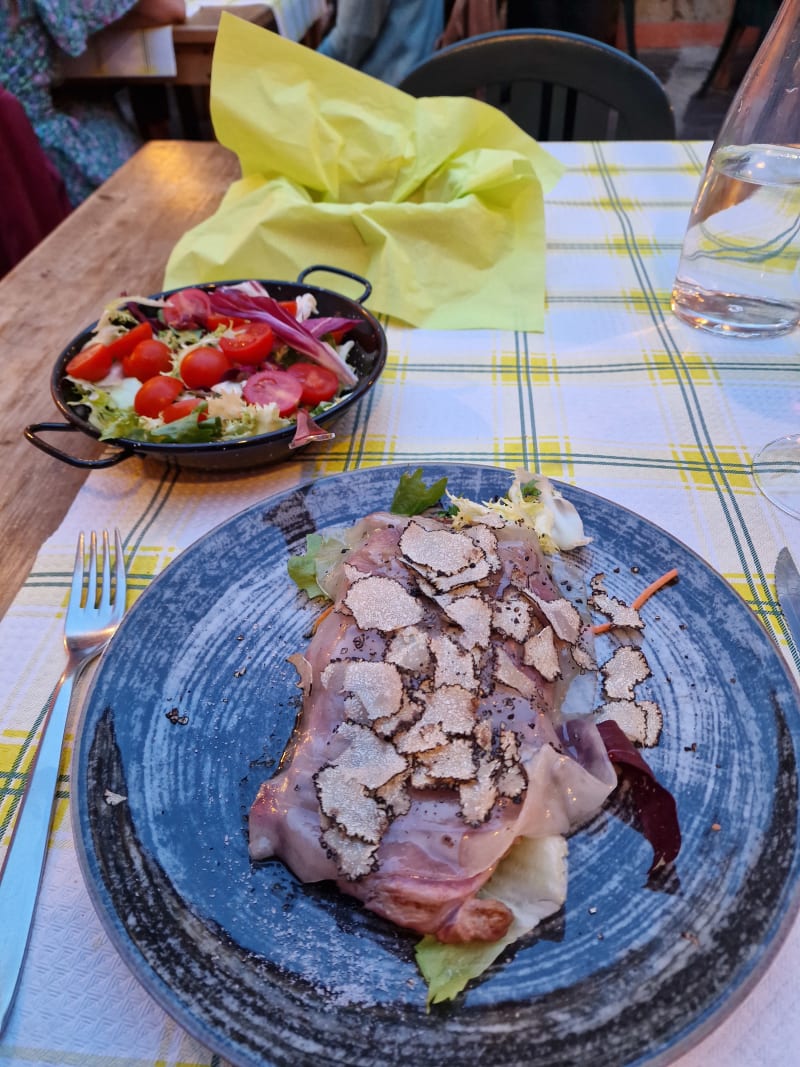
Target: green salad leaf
<point>413,496</point>
<point>308,569</point>
<point>532,881</point>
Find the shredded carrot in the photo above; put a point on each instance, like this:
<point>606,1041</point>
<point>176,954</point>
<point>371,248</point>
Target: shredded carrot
<point>654,587</point>
<point>642,598</point>
<point>321,617</point>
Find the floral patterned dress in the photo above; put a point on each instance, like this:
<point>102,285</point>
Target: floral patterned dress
<point>86,140</point>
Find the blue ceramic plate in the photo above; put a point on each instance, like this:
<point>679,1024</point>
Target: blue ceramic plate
<point>193,704</point>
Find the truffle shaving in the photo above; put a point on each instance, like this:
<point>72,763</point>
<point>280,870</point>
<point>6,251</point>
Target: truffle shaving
<point>540,652</point>
<point>354,858</point>
<point>626,668</point>
<point>347,802</point>
<point>474,616</point>
<point>409,649</point>
<point>439,551</point>
<point>561,615</point>
<point>378,686</point>
<point>382,604</point>
<point>453,762</point>
<point>477,798</point>
<point>640,720</point>
<point>512,617</point>
<point>507,671</point>
<point>453,666</point>
<point>618,612</point>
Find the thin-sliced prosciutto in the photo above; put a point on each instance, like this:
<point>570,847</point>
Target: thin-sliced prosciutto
<point>432,735</point>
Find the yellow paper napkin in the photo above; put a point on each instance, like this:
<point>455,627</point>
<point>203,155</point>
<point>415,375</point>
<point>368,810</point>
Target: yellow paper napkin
<point>438,202</point>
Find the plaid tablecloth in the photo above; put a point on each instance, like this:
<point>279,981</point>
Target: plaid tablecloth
<point>615,396</point>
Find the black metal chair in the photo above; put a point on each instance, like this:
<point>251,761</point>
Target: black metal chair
<point>745,13</point>
<point>557,86</point>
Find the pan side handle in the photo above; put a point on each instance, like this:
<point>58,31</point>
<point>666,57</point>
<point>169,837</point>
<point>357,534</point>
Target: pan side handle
<point>32,434</point>
<point>344,273</point>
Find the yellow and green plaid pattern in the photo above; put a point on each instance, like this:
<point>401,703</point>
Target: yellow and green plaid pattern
<point>615,395</point>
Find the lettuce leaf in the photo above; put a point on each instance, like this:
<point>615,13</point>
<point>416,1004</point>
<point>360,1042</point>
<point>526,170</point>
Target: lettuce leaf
<point>308,569</point>
<point>413,496</point>
<point>532,881</point>
<point>532,501</point>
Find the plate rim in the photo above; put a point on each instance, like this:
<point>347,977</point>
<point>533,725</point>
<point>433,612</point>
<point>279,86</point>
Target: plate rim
<point>197,1026</point>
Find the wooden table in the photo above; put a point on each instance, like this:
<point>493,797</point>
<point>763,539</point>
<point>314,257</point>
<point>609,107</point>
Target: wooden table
<point>117,240</point>
<point>194,41</point>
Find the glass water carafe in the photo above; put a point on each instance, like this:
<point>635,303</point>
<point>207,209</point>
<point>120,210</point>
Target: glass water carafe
<point>739,271</point>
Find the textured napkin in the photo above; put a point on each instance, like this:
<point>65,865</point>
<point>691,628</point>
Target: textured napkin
<point>438,202</point>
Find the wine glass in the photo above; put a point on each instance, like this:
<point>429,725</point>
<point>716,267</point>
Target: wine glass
<point>776,470</point>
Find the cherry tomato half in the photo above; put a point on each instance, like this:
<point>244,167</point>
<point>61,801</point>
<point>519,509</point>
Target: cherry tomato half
<point>273,387</point>
<point>203,367</point>
<point>318,383</point>
<point>249,345</point>
<point>149,358</point>
<point>181,408</point>
<point>124,345</point>
<point>92,364</point>
<point>156,394</point>
<point>186,308</point>
<point>230,322</point>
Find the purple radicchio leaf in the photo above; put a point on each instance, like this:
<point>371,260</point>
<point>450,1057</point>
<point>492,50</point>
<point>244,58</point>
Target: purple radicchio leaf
<point>654,804</point>
<point>229,301</point>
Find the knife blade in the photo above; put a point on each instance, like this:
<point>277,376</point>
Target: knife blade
<point>787,586</point>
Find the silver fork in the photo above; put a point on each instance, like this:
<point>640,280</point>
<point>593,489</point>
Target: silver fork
<point>88,628</point>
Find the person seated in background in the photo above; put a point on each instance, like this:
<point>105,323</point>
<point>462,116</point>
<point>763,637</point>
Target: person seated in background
<point>86,138</point>
<point>384,38</point>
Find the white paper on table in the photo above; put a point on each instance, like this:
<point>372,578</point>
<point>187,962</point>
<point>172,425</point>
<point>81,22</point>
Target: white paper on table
<point>124,54</point>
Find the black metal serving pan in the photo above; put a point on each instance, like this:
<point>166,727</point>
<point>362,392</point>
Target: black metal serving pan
<point>367,357</point>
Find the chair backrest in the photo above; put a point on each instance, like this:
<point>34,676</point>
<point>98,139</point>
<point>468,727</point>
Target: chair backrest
<point>557,86</point>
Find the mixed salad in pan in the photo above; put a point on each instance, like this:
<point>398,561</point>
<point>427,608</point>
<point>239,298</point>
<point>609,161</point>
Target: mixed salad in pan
<point>218,365</point>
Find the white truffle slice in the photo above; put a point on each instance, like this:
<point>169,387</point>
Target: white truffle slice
<point>512,779</point>
<point>453,762</point>
<point>453,665</point>
<point>512,617</point>
<point>354,857</point>
<point>485,539</point>
<point>347,802</point>
<point>618,612</point>
<point>561,615</point>
<point>395,795</point>
<point>448,712</point>
<point>507,671</point>
<point>540,652</point>
<point>378,686</point>
<point>626,668</point>
<point>640,720</point>
<point>474,616</point>
<point>410,711</point>
<point>409,649</point>
<point>367,759</point>
<point>478,797</point>
<point>443,552</point>
<point>382,604</point>
<point>583,651</point>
